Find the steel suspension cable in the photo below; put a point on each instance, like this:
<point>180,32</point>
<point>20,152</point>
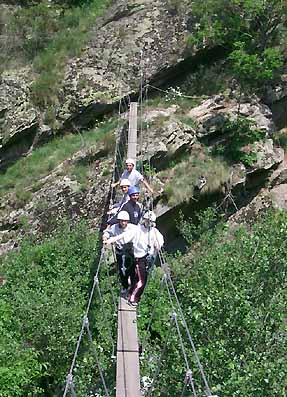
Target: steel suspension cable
<point>208,391</point>
<point>96,356</point>
<point>154,380</point>
<point>70,374</point>
<point>154,308</point>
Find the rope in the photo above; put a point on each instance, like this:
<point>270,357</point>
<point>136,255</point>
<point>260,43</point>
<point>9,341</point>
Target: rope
<point>154,308</point>
<point>141,109</point>
<point>178,94</point>
<point>70,375</point>
<point>96,356</point>
<point>105,316</point>
<point>208,392</point>
<point>154,380</point>
<point>112,290</point>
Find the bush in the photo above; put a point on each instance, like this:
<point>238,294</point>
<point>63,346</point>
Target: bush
<point>232,289</point>
<point>46,293</point>
<point>29,170</point>
<point>239,133</point>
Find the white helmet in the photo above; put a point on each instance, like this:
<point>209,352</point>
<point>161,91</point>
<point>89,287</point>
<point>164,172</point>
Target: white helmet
<point>123,216</point>
<point>150,215</point>
<point>131,161</point>
<point>125,182</point>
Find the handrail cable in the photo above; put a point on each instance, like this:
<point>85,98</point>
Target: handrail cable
<point>164,264</point>
<point>178,94</point>
<point>154,380</point>
<point>96,356</point>
<point>167,278</point>
<point>105,317</point>
<point>187,365</point>
<point>69,380</point>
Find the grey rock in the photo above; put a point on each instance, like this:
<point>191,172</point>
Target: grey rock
<point>165,136</point>
<point>268,155</point>
<point>135,40</point>
<point>19,120</point>
<point>211,114</point>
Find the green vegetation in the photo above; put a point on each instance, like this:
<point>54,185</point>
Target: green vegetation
<point>251,30</point>
<point>42,306</point>
<point>281,138</point>
<point>232,288</point>
<point>181,177</point>
<point>239,133</point>
<point>47,34</point>
<point>27,171</point>
<point>207,80</point>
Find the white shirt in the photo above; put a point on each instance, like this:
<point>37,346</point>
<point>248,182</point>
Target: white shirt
<point>122,236</point>
<point>134,177</point>
<point>145,240</point>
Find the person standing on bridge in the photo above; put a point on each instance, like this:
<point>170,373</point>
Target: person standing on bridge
<point>147,242</point>
<point>134,176</point>
<point>116,208</point>
<point>120,234</point>
<point>132,207</point>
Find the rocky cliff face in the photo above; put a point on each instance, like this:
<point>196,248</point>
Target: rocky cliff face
<point>136,42</point>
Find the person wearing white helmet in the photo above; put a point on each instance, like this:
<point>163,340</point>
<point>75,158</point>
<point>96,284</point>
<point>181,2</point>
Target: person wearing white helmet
<point>134,176</point>
<point>116,208</point>
<point>123,248</point>
<point>147,241</point>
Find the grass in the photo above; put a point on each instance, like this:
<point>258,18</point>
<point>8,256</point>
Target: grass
<point>182,177</point>
<point>207,80</point>
<point>66,43</point>
<point>47,34</point>
<point>28,170</point>
<point>281,138</point>
<point>81,172</point>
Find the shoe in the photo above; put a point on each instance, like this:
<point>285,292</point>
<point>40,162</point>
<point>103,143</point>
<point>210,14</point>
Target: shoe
<point>124,292</point>
<point>133,304</point>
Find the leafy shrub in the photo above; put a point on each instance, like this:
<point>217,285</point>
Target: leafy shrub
<point>27,171</point>
<point>239,133</point>
<point>232,289</point>
<point>46,289</point>
<point>254,69</point>
<point>20,369</point>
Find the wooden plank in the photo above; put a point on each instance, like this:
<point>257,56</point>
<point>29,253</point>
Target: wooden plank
<point>128,375</point>
<point>132,137</point>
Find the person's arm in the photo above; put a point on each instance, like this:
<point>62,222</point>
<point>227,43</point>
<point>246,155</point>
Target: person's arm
<point>107,233</point>
<point>159,240</point>
<point>144,181</point>
<point>115,184</point>
<point>124,238</point>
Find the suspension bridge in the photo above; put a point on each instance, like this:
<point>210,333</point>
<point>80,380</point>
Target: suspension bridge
<point>126,345</point>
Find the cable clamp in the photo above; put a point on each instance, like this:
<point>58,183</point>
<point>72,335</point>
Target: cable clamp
<point>173,316</point>
<point>188,375</point>
<point>70,379</point>
<point>86,320</point>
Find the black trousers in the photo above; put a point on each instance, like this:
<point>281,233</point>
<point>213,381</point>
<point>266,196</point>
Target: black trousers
<point>126,268</point>
<point>140,280</point>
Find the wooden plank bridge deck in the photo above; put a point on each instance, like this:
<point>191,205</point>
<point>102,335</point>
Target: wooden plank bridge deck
<point>128,374</point>
<point>128,371</point>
